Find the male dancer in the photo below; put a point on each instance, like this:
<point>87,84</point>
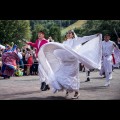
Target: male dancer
<point>107,51</point>
<point>38,44</point>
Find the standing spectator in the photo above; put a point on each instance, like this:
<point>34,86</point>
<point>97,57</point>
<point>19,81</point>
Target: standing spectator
<point>24,61</point>
<point>21,58</point>
<point>29,60</point>
<point>35,63</point>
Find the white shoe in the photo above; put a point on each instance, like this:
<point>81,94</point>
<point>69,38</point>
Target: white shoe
<point>107,84</point>
<point>76,96</point>
<point>110,76</point>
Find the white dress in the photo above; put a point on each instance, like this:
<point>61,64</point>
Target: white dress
<point>66,77</point>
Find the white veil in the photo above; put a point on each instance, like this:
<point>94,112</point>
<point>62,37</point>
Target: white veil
<point>74,34</point>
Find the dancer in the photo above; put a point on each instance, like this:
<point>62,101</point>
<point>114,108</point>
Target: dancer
<point>107,51</point>
<point>9,61</point>
<point>61,61</point>
<point>82,40</point>
<point>38,44</point>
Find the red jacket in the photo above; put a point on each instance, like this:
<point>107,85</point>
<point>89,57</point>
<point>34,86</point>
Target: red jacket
<point>44,41</point>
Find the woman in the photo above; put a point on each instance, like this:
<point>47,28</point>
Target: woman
<point>71,35</point>
<point>62,60</point>
<point>9,61</point>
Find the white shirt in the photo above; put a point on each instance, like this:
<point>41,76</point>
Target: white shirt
<point>20,55</point>
<point>39,43</point>
<point>107,47</point>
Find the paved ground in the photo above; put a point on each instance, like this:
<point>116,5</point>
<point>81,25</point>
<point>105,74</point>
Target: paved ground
<point>27,88</point>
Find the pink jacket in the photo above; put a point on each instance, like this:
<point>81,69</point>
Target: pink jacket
<point>44,41</point>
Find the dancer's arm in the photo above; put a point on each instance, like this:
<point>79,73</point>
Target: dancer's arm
<point>32,44</point>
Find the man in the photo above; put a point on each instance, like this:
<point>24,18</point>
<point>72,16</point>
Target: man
<point>38,44</point>
<point>107,52</point>
<point>21,58</point>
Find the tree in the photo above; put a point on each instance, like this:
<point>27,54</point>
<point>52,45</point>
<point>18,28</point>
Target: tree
<point>55,33</point>
<point>39,27</point>
<point>14,31</point>
<point>100,26</point>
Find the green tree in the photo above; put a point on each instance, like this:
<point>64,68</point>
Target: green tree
<point>55,33</point>
<point>39,27</point>
<point>14,31</point>
<point>100,26</point>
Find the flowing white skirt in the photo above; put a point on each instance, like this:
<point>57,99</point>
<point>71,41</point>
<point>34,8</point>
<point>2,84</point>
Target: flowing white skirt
<point>67,76</point>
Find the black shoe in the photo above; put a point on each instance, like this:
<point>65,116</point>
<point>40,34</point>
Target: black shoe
<point>76,95</point>
<point>46,88</point>
<point>67,93</point>
<point>88,73</point>
<point>8,77</point>
<point>43,85</point>
<point>104,76</point>
<point>88,79</point>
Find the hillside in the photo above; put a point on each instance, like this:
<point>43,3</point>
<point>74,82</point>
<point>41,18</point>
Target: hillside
<point>77,24</point>
<point>49,23</point>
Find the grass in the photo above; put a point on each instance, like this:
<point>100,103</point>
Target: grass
<point>77,24</point>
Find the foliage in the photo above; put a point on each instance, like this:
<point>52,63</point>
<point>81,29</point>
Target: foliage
<point>55,33</point>
<point>39,27</point>
<point>100,26</point>
<point>14,31</point>
<point>49,23</point>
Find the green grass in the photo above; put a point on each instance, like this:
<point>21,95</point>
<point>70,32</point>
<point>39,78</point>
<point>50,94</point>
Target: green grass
<point>77,24</point>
